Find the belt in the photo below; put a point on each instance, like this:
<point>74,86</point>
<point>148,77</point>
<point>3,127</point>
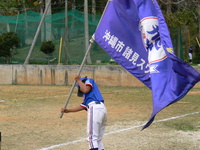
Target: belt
<point>95,102</point>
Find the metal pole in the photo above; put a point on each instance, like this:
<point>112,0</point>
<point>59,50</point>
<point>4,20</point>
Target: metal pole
<point>37,33</point>
<point>17,22</point>
<point>79,72</point>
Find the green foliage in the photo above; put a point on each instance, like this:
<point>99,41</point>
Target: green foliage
<point>4,49</point>
<point>182,125</point>
<point>182,16</point>
<point>8,41</point>
<point>196,59</point>
<point>11,39</point>
<point>47,47</point>
<point>180,19</point>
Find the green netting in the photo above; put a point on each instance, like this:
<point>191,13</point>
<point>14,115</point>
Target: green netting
<point>177,42</point>
<point>26,25</point>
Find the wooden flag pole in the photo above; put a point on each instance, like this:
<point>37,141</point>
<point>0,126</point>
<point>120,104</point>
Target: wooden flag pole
<point>79,72</point>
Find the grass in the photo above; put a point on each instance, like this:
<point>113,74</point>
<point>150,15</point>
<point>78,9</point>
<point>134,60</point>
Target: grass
<point>183,125</point>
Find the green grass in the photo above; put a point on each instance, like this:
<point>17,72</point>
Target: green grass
<point>183,125</point>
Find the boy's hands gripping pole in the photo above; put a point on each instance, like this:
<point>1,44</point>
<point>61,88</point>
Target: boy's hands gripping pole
<point>79,72</point>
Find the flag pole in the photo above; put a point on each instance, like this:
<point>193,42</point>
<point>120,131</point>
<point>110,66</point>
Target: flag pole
<point>84,59</point>
<point>79,72</point>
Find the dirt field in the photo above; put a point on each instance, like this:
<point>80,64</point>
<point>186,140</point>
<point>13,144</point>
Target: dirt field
<point>30,120</point>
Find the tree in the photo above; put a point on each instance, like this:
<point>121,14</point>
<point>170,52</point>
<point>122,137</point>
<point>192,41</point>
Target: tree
<point>48,48</point>
<point>183,18</point>
<point>196,59</point>
<point>8,41</point>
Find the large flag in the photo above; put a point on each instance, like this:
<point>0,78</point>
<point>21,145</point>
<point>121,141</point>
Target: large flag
<point>134,33</point>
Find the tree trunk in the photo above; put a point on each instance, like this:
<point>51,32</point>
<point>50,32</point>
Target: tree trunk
<point>48,25</point>
<point>169,6</point>
<point>73,4</point>
<point>86,30</point>
<point>66,32</point>
<point>94,10</point>
<point>26,24</point>
<point>199,17</point>
<point>43,28</point>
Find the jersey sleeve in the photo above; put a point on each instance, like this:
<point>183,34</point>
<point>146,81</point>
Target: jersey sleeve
<point>88,82</point>
<point>83,105</point>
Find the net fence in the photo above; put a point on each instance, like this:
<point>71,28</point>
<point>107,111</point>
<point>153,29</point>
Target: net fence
<point>26,25</point>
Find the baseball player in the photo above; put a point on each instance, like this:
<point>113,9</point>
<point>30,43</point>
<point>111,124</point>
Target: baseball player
<point>93,103</point>
<point>190,53</point>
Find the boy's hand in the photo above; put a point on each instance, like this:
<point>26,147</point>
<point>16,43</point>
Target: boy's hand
<point>77,78</point>
<point>64,110</point>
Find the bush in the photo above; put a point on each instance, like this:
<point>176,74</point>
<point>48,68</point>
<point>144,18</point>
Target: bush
<point>196,59</point>
<point>48,48</point>
<point>8,41</point>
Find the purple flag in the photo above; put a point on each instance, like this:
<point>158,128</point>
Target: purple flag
<point>134,33</point>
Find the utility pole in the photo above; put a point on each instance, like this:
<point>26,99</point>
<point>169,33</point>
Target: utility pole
<point>86,30</point>
<point>37,33</point>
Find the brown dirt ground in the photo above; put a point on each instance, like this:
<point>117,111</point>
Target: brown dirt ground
<point>30,120</point>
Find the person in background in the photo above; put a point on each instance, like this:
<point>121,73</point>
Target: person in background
<point>190,53</point>
<point>93,103</point>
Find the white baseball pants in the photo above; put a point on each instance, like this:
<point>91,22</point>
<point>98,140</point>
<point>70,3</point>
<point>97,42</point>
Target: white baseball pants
<point>97,119</point>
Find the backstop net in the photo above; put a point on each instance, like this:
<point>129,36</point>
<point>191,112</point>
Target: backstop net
<point>26,25</point>
<point>54,28</point>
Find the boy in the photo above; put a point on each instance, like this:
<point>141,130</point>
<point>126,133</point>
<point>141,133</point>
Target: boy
<point>93,103</point>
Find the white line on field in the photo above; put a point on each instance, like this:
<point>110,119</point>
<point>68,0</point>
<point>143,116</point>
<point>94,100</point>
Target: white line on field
<point>117,131</point>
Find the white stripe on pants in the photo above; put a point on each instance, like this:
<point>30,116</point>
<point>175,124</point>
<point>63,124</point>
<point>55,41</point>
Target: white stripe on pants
<point>97,119</point>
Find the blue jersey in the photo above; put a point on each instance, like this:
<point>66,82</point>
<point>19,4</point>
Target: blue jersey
<point>93,95</point>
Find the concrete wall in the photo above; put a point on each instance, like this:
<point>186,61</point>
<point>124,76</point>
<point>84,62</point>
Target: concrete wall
<point>109,75</point>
